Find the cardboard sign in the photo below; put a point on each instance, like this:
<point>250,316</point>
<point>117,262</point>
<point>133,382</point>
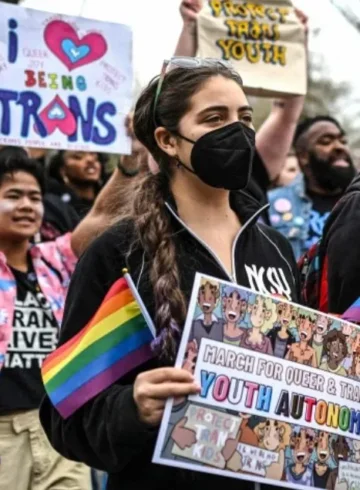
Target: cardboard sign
<point>65,82</point>
<point>263,39</point>
<point>280,392</point>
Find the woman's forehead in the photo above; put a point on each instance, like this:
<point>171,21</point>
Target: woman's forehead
<point>218,91</point>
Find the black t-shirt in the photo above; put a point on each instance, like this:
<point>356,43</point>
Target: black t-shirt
<point>35,335</point>
<point>321,208</point>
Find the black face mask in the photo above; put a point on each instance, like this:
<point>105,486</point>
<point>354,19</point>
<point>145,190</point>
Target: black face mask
<point>329,177</point>
<point>223,158</point>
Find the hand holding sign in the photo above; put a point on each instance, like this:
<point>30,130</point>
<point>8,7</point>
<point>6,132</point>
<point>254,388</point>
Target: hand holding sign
<point>261,417</point>
<point>304,19</point>
<point>189,10</point>
<point>152,388</point>
<point>264,40</point>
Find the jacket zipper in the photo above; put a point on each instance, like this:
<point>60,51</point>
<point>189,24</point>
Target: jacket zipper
<point>232,277</point>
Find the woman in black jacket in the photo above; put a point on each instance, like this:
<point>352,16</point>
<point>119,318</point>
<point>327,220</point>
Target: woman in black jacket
<point>192,216</point>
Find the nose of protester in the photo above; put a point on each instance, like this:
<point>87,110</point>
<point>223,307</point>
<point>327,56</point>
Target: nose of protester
<point>30,206</point>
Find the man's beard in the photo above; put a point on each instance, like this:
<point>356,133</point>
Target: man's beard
<point>330,177</point>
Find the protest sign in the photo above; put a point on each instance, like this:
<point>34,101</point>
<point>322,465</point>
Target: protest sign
<point>280,392</point>
<point>263,39</point>
<point>65,82</point>
<point>212,434</point>
<point>349,473</point>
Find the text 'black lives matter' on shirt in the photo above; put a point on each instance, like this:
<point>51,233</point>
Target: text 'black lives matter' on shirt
<point>34,336</point>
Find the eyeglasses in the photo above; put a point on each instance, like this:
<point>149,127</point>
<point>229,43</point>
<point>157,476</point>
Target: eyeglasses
<point>185,62</point>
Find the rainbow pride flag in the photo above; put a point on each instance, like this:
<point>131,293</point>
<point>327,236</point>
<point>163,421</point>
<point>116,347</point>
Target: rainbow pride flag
<point>353,313</point>
<point>116,340</point>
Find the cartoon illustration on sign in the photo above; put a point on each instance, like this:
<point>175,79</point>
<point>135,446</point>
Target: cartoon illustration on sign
<point>286,415</point>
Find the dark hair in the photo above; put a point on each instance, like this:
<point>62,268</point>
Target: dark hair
<point>332,336</point>
<point>15,159</point>
<point>152,221</point>
<point>306,124</point>
<point>57,162</point>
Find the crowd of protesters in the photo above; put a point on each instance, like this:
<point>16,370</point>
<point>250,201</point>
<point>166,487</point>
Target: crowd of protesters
<point>181,198</point>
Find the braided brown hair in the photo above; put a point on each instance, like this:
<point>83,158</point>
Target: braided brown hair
<point>152,220</point>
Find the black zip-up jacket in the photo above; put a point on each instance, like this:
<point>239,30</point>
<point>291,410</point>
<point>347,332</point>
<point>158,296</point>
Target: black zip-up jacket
<point>341,245</point>
<point>106,433</point>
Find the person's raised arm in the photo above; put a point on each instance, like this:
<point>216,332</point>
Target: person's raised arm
<point>113,195</point>
<point>275,136</point>
<point>187,43</point>
<point>101,215</point>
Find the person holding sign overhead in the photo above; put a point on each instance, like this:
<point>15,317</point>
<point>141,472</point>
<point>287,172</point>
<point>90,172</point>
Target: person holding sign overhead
<point>193,215</point>
<point>280,125</point>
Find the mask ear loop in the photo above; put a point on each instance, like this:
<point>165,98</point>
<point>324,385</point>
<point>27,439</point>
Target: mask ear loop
<point>179,163</point>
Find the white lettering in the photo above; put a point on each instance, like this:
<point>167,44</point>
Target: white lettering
<point>268,281</point>
<point>197,450</point>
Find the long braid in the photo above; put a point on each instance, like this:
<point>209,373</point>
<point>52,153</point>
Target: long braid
<point>155,234</point>
<point>152,222</point>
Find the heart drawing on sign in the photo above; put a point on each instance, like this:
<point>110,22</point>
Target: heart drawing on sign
<point>64,42</point>
<point>56,112</point>
<point>74,52</point>
<point>56,115</point>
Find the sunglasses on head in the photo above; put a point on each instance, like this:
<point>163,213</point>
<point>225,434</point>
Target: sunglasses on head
<point>189,63</point>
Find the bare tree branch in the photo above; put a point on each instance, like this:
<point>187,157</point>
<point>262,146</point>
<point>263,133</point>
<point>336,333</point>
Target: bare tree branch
<point>348,12</point>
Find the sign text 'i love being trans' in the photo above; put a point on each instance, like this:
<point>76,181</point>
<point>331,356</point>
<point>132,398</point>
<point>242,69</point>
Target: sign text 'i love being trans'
<point>65,82</point>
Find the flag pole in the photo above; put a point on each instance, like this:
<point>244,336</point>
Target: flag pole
<point>140,302</point>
